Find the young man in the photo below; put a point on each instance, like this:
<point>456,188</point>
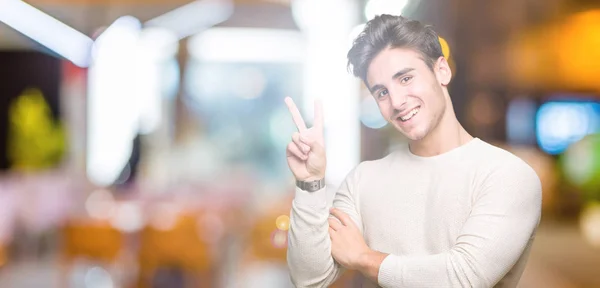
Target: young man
<point>447,210</point>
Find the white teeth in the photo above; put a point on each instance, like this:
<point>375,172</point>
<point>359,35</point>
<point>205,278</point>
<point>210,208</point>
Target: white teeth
<point>410,114</point>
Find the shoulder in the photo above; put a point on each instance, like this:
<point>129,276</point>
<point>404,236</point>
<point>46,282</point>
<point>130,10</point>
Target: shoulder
<point>495,158</point>
<point>500,168</point>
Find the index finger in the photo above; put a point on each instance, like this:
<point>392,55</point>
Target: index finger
<point>295,114</point>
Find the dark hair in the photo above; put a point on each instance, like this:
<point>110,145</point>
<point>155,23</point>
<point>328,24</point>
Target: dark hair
<point>387,31</point>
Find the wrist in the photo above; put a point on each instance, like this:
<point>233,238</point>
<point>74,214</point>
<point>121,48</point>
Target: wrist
<point>311,186</point>
<point>364,259</point>
<point>313,178</point>
<point>369,263</point>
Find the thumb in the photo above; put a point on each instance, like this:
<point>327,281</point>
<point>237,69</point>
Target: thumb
<point>315,146</point>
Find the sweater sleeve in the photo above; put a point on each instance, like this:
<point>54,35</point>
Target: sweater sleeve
<point>505,215</point>
<point>309,246</point>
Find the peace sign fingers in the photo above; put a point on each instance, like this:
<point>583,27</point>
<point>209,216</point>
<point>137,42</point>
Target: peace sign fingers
<point>295,114</point>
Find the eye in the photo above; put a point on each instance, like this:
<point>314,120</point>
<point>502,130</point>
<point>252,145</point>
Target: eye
<point>382,93</point>
<point>406,79</point>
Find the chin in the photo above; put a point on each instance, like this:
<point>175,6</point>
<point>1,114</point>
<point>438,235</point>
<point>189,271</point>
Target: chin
<point>415,134</point>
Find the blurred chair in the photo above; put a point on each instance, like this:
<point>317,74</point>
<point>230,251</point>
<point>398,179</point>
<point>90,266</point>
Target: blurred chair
<point>179,248</point>
<point>92,240</point>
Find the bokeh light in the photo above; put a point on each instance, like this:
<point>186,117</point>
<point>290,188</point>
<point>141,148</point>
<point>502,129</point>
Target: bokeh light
<point>283,222</point>
<point>127,217</point>
<point>581,163</point>
<point>100,204</point>
<point>590,223</point>
<point>98,277</point>
<point>370,116</point>
<point>561,123</point>
<point>279,239</point>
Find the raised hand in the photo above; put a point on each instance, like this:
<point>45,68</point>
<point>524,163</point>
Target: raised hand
<point>306,152</point>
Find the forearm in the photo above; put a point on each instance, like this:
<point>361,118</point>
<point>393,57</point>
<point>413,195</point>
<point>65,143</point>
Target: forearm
<point>478,260</point>
<point>440,270</point>
<point>309,246</point>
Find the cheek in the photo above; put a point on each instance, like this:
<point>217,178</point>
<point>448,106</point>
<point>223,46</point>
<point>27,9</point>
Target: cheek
<point>417,89</point>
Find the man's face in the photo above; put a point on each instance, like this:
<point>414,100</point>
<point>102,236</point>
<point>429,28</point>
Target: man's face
<point>408,93</point>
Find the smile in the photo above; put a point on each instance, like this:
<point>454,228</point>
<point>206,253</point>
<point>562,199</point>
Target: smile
<point>410,114</point>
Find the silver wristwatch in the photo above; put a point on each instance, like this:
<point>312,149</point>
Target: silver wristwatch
<point>311,186</point>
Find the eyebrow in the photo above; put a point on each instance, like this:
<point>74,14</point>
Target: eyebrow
<point>396,76</point>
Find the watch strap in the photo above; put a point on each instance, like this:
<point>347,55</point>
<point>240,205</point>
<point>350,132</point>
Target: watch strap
<point>311,186</point>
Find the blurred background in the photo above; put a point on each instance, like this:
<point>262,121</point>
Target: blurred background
<point>142,142</point>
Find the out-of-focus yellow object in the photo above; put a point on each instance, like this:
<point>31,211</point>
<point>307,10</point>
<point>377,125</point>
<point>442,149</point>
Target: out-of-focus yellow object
<point>34,140</point>
<point>96,240</point>
<point>179,246</point>
<point>577,48</point>
<point>93,240</point>
<point>445,47</point>
<point>283,222</point>
<point>447,53</point>
<point>562,55</point>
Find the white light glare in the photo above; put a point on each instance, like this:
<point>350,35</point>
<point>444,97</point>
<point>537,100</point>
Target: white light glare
<point>46,30</point>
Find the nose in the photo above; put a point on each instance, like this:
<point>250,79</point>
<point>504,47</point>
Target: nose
<point>398,99</point>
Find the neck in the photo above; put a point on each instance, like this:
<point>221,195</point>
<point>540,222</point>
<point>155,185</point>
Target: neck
<point>447,135</point>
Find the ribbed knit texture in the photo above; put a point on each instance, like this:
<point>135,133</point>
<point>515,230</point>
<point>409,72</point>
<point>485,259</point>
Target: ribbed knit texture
<point>465,218</point>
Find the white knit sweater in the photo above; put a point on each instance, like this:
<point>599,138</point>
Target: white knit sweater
<point>465,218</point>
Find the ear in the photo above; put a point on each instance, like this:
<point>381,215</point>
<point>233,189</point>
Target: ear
<point>442,71</point>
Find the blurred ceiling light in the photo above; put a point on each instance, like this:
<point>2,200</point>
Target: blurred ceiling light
<point>194,17</point>
<point>326,26</point>
<point>156,47</point>
<point>314,15</point>
<point>259,45</point>
<point>113,105</point>
<point>46,30</point>
<point>158,43</point>
<point>378,7</point>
